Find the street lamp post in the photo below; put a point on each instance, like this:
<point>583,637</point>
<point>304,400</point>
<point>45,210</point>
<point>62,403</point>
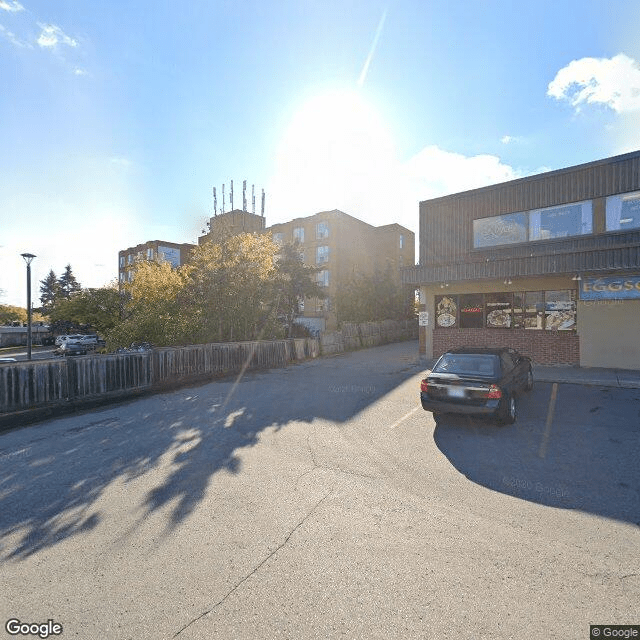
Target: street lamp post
<point>28,257</point>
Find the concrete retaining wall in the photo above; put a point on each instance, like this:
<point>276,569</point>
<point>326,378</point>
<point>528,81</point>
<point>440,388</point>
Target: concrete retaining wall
<point>367,334</point>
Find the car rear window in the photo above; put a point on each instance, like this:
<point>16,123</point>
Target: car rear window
<point>467,364</point>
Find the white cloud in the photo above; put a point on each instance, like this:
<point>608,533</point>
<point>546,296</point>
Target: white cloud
<point>11,5</point>
<point>12,38</point>
<point>614,82</point>
<point>338,154</point>
<point>53,35</point>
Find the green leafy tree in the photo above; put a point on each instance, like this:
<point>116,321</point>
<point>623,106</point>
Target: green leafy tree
<point>49,291</point>
<point>232,292</point>
<point>94,308</point>
<point>295,281</point>
<point>152,307</point>
<point>9,314</point>
<point>370,298</point>
<point>67,283</point>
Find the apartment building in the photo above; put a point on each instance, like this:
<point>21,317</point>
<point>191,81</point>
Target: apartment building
<point>343,247</point>
<point>175,253</point>
<point>548,265</point>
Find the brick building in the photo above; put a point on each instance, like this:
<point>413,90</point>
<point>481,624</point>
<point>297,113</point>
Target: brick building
<point>548,265</point>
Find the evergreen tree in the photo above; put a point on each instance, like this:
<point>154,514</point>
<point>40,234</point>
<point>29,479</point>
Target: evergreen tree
<point>68,283</point>
<point>49,291</point>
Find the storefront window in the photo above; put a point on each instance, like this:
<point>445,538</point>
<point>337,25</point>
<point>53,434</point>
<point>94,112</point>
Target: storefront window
<point>489,232</point>
<point>518,310</point>
<point>471,311</point>
<point>446,311</point>
<point>623,212</point>
<point>560,310</point>
<point>560,222</point>
<point>499,310</point>
<point>534,310</point>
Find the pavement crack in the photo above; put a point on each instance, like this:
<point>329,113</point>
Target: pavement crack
<point>256,569</point>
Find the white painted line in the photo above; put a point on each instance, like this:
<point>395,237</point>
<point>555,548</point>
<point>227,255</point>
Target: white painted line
<point>404,417</point>
<point>550,413</point>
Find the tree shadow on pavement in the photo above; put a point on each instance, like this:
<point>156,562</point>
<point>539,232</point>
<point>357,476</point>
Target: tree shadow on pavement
<point>54,476</point>
<point>585,457</point>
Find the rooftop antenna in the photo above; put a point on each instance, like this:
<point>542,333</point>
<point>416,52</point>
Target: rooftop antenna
<point>215,202</point>
<point>244,195</point>
<point>263,203</point>
<point>253,198</point>
<point>232,195</point>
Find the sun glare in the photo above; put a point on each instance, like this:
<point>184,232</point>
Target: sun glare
<point>335,152</point>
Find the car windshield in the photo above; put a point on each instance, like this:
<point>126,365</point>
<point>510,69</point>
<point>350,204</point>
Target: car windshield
<point>467,364</point>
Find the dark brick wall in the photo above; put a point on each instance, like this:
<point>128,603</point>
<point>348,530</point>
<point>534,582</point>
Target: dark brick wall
<point>543,347</point>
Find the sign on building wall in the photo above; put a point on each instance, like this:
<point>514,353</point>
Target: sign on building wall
<point>610,287</point>
<point>170,255</point>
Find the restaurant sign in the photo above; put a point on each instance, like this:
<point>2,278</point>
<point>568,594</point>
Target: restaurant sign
<point>610,287</point>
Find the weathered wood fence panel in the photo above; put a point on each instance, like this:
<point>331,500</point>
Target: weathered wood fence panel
<point>32,385</point>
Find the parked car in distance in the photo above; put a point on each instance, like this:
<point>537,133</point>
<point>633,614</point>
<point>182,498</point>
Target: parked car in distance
<point>60,340</point>
<point>478,382</point>
<point>69,348</point>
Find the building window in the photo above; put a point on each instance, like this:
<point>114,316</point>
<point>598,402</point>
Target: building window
<point>550,310</point>
<point>298,234</point>
<point>322,254</point>
<point>122,262</point>
<point>560,310</point>
<point>561,222</point>
<point>499,310</point>
<point>509,229</point>
<point>278,238</point>
<point>122,276</point>
<point>322,230</point>
<point>150,254</point>
<point>301,254</point>
<point>323,278</point>
<point>401,241</point>
<point>446,311</point>
<point>471,311</point>
<point>130,259</point>
<point>130,276</point>
<point>623,212</point>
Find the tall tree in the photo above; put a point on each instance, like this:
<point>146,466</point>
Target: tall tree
<point>231,289</point>
<point>97,308</point>
<point>49,291</point>
<point>68,283</point>
<point>295,281</point>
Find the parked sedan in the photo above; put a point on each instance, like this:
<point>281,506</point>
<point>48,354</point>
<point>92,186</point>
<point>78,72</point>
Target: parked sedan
<point>71,349</point>
<point>477,381</point>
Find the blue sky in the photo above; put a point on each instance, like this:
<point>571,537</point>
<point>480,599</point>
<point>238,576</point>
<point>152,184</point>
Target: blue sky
<point>117,119</point>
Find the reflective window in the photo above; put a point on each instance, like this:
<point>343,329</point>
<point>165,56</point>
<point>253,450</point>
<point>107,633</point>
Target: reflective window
<point>471,311</point>
<point>298,234</point>
<point>323,278</point>
<point>322,254</point>
<point>623,211</point>
<point>322,230</point>
<point>446,311</point>
<point>278,238</point>
<point>499,310</point>
<point>560,222</point>
<point>509,229</point>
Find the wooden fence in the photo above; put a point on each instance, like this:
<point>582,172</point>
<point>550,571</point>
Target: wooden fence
<point>27,387</point>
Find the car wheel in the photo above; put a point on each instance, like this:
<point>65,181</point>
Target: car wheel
<point>529,385</point>
<point>510,411</point>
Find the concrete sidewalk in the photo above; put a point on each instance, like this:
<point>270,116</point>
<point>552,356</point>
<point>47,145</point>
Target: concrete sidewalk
<point>589,376</point>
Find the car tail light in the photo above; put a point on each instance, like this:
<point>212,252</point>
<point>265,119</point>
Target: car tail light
<point>424,386</point>
<point>494,392</point>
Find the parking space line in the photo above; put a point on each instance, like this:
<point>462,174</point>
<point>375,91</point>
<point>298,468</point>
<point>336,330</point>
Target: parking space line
<point>550,413</point>
<point>404,417</point>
